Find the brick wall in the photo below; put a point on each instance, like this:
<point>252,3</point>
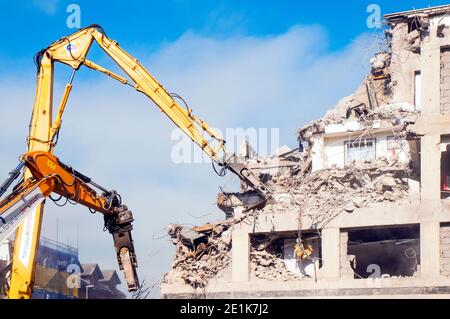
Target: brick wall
<point>445,249</point>
<point>445,79</point>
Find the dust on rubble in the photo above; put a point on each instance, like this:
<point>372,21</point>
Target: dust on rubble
<point>199,256</point>
<point>324,194</point>
<point>204,254</point>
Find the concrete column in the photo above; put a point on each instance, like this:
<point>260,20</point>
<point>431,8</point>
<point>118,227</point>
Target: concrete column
<point>318,152</point>
<point>430,248</point>
<point>240,256</point>
<point>430,168</point>
<point>330,253</point>
<point>430,59</point>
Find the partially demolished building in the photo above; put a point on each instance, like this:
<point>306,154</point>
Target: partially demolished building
<point>360,209</point>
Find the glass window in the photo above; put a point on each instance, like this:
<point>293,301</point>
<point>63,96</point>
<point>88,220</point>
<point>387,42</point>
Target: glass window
<point>360,150</point>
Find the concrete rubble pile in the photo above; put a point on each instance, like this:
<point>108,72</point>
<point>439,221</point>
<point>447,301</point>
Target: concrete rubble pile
<point>199,256</point>
<point>367,185</point>
<point>204,252</point>
<point>318,196</point>
<point>360,117</point>
<point>322,195</point>
<point>266,260</point>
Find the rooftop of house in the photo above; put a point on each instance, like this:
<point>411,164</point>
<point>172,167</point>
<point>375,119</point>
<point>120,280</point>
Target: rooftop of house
<point>91,269</point>
<point>110,275</point>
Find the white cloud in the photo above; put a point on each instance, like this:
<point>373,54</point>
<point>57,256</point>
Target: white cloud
<point>119,138</point>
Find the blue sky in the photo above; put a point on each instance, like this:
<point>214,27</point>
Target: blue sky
<point>32,24</point>
<point>240,64</point>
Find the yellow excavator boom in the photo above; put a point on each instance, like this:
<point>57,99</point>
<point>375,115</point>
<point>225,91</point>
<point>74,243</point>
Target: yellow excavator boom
<point>73,50</point>
<point>50,175</point>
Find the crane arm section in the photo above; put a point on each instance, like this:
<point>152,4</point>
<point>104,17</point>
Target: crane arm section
<point>14,208</point>
<point>73,50</point>
<point>49,175</point>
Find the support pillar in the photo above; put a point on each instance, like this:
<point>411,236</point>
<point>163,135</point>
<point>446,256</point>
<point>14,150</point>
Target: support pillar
<point>430,248</point>
<point>240,255</point>
<point>330,253</point>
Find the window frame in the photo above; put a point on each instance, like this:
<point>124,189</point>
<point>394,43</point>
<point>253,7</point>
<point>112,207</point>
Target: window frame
<point>346,144</point>
<point>395,139</point>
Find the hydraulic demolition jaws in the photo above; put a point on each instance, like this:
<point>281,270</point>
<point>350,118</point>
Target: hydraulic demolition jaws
<point>50,175</point>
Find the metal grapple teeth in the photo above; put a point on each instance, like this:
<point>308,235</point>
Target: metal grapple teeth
<point>120,225</point>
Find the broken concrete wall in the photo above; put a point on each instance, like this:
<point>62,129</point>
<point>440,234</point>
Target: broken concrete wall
<point>445,249</point>
<point>412,39</point>
<point>200,255</point>
<point>320,196</point>
<point>319,184</point>
<point>346,260</point>
<point>387,126</point>
<point>323,195</point>
<point>327,138</point>
<point>445,79</point>
<point>385,101</point>
<point>387,145</point>
<point>405,62</point>
<point>266,259</point>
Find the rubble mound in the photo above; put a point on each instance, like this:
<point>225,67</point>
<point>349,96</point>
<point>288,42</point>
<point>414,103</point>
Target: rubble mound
<point>391,114</point>
<point>203,259</point>
<point>266,260</point>
<point>325,194</point>
<point>203,254</point>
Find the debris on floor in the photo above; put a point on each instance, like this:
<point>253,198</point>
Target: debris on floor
<point>395,116</point>
<point>200,255</point>
<point>203,253</point>
<point>322,195</point>
<point>266,260</point>
<point>351,190</point>
<point>317,193</point>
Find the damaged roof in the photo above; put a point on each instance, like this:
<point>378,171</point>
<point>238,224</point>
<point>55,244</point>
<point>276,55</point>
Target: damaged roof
<point>400,16</point>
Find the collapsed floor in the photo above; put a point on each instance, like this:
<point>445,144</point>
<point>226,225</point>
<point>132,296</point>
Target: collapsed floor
<point>199,256</point>
<point>204,253</point>
<point>319,195</point>
<point>370,181</point>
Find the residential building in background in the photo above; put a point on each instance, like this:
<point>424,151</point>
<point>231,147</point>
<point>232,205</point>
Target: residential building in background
<point>60,275</point>
<point>99,284</point>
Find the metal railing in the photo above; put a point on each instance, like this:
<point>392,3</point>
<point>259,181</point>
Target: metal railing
<point>53,244</point>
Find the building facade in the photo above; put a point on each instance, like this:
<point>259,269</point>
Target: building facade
<point>55,263</point>
<point>99,284</point>
<point>60,275</point>
<point>384,152</point>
